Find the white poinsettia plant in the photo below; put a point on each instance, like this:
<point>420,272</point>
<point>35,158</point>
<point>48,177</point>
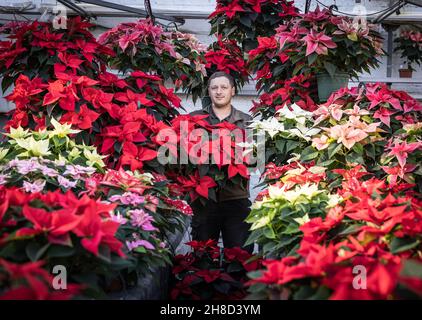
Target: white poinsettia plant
<point>287,133</point>
<point>298,194</point>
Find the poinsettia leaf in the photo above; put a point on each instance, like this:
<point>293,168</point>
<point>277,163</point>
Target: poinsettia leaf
<point>104,253</point>
<point>358,148</point>
<point>411,268</point>
<point>312,58</point>
<point>35,251</point>
<point>331,69</point>
<point>333,148</point>
<point>246,21</point>
<point>309,153</point>
<point>212,195</point>
<point>403,244</point>
<point>6,83</point>
<point>254,236</point>
<point>323,293</point>
<point>56,251</point>
<point>234,267</point>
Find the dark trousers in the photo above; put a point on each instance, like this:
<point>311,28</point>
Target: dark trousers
<point>227,217</point>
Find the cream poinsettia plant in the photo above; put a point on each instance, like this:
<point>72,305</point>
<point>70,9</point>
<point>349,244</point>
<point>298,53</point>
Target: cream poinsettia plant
<point>55,145</point>
<point>296,194</point>
<point>287,133</point>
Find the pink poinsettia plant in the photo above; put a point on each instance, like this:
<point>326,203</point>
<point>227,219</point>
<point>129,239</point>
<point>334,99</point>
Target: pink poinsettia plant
<point>322,42</point>
<point>147,47</point>
<point>396,116</point>
<point>314,42</point>
<point>409,44</point>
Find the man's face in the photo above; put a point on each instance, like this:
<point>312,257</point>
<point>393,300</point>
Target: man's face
<point>221,92</point>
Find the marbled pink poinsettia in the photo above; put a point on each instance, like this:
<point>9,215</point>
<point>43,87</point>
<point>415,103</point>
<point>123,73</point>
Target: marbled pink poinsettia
<point>318,42</point>
<point>401,150</point>
<point>346,134</point>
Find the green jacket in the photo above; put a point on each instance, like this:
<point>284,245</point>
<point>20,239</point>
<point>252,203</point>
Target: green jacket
<point>241,120</point>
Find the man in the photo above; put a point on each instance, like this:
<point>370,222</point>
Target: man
<point>228,214</point>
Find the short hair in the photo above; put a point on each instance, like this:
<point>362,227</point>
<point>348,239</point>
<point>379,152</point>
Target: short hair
<point>219,74</point>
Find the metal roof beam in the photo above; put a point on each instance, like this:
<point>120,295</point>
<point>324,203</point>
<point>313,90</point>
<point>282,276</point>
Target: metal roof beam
<point>399,4</point>
<point>136,11</point>
<point>74,7</point>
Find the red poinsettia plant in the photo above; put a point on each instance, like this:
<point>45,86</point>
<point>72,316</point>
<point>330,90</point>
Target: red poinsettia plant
<point>225,55</point>
<point>116,114</point>
<point>211,273</point>
<point>147,47</point>
<point>29,281</point>
<point>366,247</point>
<point>61,229</point>
<point>119,116</point>
<point>299,90</point>
<point>34,48</point>
<point>203,158</point>
<point>246,20</point>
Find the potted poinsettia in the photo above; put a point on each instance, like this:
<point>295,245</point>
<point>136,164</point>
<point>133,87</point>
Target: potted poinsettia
<point>211,273</point>
<point>334,48</point>
<point>143,46</point>
<point>409,43</point>
<point>225,55</point>
<point>375,229</point>
<point>37,49</point>
<point>246,20</point>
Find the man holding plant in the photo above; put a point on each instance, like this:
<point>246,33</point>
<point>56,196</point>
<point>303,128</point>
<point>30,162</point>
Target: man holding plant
<point>226,215</point>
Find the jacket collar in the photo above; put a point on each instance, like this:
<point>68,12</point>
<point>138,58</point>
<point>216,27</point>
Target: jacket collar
<point>232,117</point>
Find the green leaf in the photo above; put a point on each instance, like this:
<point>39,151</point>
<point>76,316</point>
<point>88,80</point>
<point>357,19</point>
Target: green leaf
<point>411,268</point>
<point>269,232</point>
<point>403,244</point>
<point>280,145</point>
<point>57,251</point>
<point>333,148</point>
<point>118,146</point>
<point>309,153</point>
<point>312,58</point>
<point>358,148</point>
<point>244,19</point>
<point>6,83</point>
<point>140,249</point>
<point>349,230</point>
<point>331,69</point>
<point>35,251</point>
